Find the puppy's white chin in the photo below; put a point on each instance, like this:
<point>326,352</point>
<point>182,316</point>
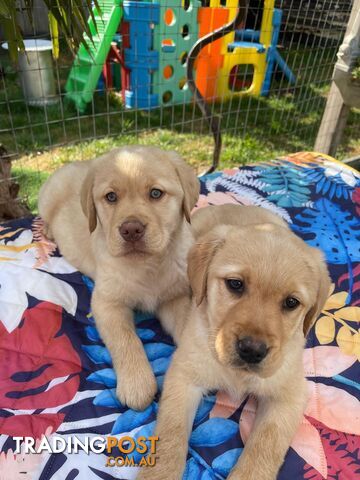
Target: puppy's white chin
<point>267,371</point>
<point>149,247</point>
<point>135,253</point>
<point>262,372</point>
<point>134,250</point>
<point>259,370</point>
<point>118,248</point>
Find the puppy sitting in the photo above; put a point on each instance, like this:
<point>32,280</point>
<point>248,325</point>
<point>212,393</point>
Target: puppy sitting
<point>257,290</point>
<point>123,219</point>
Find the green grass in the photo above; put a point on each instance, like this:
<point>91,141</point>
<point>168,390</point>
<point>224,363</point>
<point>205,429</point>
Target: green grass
<point>30,182</point>
<point>254,129</point>
<point>197,152</point>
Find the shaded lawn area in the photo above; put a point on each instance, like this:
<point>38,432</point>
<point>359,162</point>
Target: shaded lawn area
<point>32,170</point>
<point>254,129</point>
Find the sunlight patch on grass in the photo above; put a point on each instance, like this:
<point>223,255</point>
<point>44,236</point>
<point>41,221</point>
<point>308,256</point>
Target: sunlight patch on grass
<point>30,182</point>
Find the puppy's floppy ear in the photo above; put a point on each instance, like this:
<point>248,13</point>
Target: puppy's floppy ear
<point>323,282</point>
<point>199,260</point>
<point>189,183</point>
<point>87,200</point>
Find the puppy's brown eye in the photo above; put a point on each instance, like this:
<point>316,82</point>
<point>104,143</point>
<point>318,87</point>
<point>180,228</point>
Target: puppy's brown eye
<point>291,303</point>
<point>235,285</point>
<point>111,197</point>
<point>155,193</point>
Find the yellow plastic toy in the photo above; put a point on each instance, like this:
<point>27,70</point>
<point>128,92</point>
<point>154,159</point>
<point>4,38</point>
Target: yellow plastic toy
<point>249,53</point>
<point>232,5</point>
<point>210,61</point>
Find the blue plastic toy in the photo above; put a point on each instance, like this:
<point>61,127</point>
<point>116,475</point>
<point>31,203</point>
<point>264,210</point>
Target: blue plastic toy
<point>140,58</point>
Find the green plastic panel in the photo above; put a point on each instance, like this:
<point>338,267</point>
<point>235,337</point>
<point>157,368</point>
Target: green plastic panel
<point>87,66</point>
<point>173,38</point>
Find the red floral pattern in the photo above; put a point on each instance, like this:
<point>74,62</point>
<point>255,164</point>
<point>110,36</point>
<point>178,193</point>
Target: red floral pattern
<point>342,453</point>
<point>356,200</point>
<point>38,369</point>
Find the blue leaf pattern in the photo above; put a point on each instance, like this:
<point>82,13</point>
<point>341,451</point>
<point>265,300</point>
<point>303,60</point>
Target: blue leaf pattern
<point>213,432</point>
<point>329,186</point>
<point>145,333</point>
<point>192,470</point>
<point>207,475</point>
<point>98,354</point>
<point>158,350</point>
<point>131,419</point>
<point>92,333</point>
<point>330,228</point>
<point>225,462</point>
<point>204,408</point>
<point>107,398</point>
<point>285,185</point>
<point>160,365</point>
<point>106,376</point>
<point>335,231</point>
<point>160,382</point>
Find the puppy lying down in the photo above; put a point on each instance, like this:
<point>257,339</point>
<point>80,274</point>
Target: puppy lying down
<point>123,219</point>
<point>257,290</point>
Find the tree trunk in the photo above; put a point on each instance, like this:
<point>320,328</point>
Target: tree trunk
<point>10,204</point>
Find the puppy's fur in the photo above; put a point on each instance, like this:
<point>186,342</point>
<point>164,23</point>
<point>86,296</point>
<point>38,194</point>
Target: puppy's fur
<point>253,245</point>
<point>149,274</point>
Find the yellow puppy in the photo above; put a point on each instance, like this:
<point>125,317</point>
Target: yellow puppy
<point>123,220</point>
<point>257,290</point>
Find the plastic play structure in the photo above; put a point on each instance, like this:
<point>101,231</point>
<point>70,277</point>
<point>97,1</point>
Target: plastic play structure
<point>140,49</point>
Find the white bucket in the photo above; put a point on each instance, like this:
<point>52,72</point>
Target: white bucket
<point>37,72</point>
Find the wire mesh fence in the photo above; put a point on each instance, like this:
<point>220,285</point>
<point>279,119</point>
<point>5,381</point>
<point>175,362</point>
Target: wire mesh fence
<point>267,80</point>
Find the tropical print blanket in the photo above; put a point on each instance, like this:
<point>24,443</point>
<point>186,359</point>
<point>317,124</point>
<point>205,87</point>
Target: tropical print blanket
<point>56,374</point>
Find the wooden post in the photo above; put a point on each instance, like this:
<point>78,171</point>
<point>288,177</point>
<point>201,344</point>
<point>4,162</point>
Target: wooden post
<point>336,112</point>
<point>333,123</point>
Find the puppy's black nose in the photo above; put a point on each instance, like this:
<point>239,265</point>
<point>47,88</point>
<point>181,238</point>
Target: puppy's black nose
<point>132,231</point>
<point>251,350</point>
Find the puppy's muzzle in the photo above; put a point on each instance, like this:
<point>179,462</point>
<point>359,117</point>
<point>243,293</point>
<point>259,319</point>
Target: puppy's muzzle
<point>251,351</point>
<point>132,231</point>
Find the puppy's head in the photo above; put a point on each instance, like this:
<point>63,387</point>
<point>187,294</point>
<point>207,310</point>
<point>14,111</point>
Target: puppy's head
<point>140,197</point>
<point>261,288</point>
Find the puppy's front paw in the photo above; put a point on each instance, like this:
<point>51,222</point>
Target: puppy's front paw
<point>137,387</point>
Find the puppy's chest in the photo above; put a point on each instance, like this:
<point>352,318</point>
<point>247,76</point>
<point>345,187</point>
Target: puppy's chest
<point>147,287</point>
<point>237,383</point>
